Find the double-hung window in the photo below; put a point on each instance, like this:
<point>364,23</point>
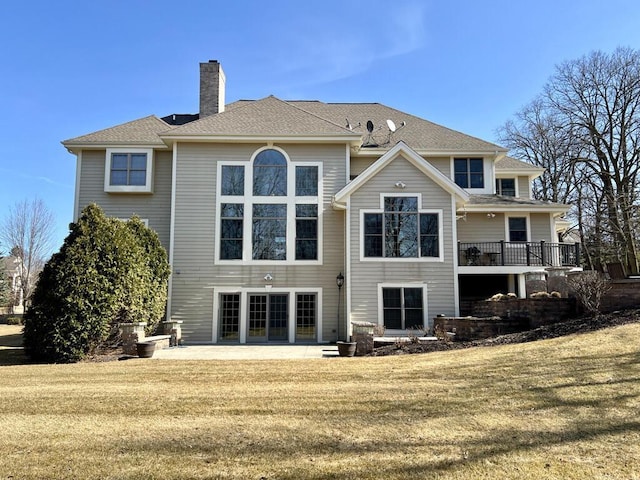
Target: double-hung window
<point>403,307</point>
<point>268,209</point>
<point>128,170</point>
<point>468,172</point>
<point>402,230</point>
<point>506,187</point>
<point>517,229</point>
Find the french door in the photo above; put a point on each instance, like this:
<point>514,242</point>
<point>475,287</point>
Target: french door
<point>268,317</point>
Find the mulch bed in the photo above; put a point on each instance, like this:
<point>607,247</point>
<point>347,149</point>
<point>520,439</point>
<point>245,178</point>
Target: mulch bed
<point>568,327</point>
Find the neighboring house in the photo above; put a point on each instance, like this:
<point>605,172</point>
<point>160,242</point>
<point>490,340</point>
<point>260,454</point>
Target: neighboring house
<point>262,204</point>
<point>11,267</point>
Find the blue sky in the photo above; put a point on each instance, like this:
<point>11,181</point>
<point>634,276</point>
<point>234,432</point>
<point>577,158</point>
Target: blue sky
<point>74,67</point>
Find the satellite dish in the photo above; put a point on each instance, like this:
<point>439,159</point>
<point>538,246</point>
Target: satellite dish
<point>349,125</point>
<point>369,126</point>
<point>391,125</point>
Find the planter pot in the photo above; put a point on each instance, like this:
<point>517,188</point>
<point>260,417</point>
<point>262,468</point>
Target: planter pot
<point>346,349</point>
<point>145,349</point>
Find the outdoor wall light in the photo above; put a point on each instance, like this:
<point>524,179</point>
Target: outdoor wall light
<point>268,277</point>
<point>340,280</point>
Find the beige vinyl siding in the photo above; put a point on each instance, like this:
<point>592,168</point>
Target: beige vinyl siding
<point>541,227</point>
<point>194,253</point>
<point>477,227</point>
<point>524,187</point>
<point>360,164</point>
<point>155,207</point>
<point>443,164</point>
<point>366,275</point>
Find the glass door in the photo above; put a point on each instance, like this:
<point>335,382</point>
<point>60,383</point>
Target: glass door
<point>268,317</point>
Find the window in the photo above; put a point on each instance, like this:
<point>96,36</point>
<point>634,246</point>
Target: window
<point>232,180</point>
<point>306,181</point>
<point>231,227</point>
<point>270,174</point>
<point>402,308</point>
<point>268,210</point>
<point>469,172</point>
<point>229,316</point>
<point>305,316</point>
<point>269,231</point>
<point>128,170</point>
<point>401,231</point>
<point>306,232</point>
<point>517,229</point>
<point>506,187</point>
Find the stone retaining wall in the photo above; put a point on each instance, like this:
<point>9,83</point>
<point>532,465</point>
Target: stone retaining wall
<point>534,312</point>
<point>475,328</point>
<point>622,294</point>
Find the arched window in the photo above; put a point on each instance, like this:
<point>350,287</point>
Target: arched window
<point>270,174</point>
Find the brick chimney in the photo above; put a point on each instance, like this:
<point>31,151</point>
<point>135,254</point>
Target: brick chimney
<point>212,82</point>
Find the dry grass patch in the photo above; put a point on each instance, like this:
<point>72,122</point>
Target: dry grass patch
<point>565,408</point>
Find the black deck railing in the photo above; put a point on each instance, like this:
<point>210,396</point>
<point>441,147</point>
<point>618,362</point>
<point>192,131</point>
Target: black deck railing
<point>543,254</point>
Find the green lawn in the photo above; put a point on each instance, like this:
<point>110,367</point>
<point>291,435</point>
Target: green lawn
<point>567,408</point>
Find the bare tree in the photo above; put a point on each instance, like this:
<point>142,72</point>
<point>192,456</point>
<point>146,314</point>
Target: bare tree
<point>537,136</point>
<point>28,229</point>
<point>585,130</point>
<point>598,96</point>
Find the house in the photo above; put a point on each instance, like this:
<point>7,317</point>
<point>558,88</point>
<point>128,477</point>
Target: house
<point>263,204</point>
<point>11,267</point>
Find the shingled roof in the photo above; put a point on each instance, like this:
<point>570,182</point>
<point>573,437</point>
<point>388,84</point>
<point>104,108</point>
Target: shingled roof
<point>269,116</point>
<point>143,131</point>
<point>272,117</point>
<point>513,164</point>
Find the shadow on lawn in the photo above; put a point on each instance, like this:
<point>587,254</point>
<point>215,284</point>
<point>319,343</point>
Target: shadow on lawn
<point>11,350</point>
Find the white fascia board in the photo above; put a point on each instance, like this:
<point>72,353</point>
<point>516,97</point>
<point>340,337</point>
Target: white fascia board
<point>554,208</point>
<point>76,147</point>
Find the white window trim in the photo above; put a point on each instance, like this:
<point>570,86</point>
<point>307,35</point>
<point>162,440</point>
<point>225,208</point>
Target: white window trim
<point>439,212</point>
<point>487,170</point>
<point>426,324</point>
<point>243,312</point>
<point>507,216</point>
<point>248,200</point>
<point>148,185</point>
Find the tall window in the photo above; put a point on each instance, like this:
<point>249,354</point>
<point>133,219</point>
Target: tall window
<point>469,172</point>
<point>306,316</point>
<point>517,229</point>
<point>229,316</point>
<point>269,231</point>
<point>506,187</point>
<point>275,218</point>
<point>231,227</point>
<point>403,308</point>
<point>401,231</point>
<point>306,232</point>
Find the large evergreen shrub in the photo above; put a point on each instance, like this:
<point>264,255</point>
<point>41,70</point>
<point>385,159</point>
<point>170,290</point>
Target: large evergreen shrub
<point>107,272</point>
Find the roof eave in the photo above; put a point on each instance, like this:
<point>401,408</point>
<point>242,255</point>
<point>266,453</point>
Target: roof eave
<point>75,147</point>
<point>498,208</point>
